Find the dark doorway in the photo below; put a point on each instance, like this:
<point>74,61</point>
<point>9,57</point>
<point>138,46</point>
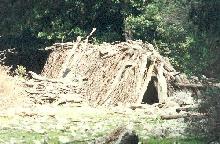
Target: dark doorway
<point>151,94</point>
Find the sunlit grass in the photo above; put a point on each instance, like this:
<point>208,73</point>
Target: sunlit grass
<point>27,137</point>
<point>10,89</point>
<point>52,137</point>
<point>7,85</point>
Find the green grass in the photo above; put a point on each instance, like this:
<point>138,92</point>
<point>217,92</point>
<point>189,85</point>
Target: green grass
<point>174,141</point>
<point>81,126</point>
<point>27,137</point>
<point>51,137</point>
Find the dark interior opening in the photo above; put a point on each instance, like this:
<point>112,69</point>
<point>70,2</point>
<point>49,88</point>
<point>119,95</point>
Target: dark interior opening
<point>151,94</point>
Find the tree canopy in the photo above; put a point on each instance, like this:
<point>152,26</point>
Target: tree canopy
<point>187,31</point>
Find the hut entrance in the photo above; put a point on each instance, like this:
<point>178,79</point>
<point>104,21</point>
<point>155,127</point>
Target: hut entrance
<point>151,94</point>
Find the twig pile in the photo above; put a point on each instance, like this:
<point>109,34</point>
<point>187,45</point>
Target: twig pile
<point>43,90</point>
<point>111,73</point>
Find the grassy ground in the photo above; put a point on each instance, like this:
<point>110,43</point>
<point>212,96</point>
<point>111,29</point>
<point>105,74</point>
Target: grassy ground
<point>62,124</point>
<point>53,137</point>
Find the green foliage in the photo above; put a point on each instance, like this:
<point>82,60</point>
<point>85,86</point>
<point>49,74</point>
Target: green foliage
<point>186,31</point>
<point>161,24</point>
<point>174,27</point>
<point>20,71</point>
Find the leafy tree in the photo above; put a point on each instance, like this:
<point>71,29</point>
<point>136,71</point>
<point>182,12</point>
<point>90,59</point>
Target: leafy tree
<point>184,30</point>
<point>206,20</point>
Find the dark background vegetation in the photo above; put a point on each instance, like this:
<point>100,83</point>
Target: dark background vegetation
<point>187,31</point>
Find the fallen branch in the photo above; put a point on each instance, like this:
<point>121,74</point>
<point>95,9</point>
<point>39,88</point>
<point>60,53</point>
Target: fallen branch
<point>43,90</point>
<point>169,117</point>
<point>197,85</point>
<point>40,78</point>
<point>177,116</point>
<point>189,85</point>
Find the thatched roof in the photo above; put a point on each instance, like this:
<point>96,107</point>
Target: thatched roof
<point>126,72</point>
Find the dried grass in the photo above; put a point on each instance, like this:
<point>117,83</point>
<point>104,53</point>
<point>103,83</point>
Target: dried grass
<point>10,90</point>
<point>7,85</point>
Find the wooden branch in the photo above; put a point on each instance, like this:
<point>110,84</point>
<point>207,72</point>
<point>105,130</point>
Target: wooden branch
<point>162,83</point>
<point>167,66</point>
<point>116,81</point>
<point>36,76</point>
<point>190,85</point>
<point>147,80</point>
<point>40,78</point>
<point>142,70</point>
<point>200,86</point>
<point>87,38</point>
<point>169,117</point>
<point>68,57</point>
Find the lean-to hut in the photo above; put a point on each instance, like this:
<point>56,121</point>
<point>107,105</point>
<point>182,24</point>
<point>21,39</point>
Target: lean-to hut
<point>125,72</point>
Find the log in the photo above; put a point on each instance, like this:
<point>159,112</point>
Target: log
<point>190,85</point>
<point>169,117</point>
<point>141,74</point>
<point>197,85</point>
<point>162,84</point>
